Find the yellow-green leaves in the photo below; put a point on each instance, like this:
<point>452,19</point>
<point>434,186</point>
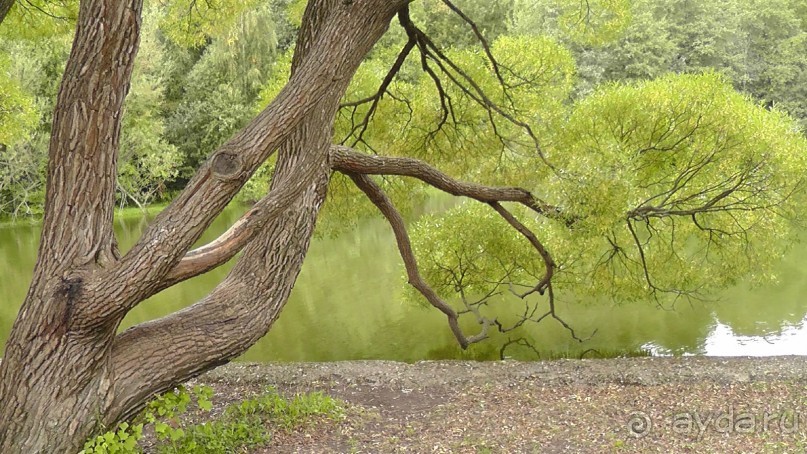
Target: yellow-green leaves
<point>537,70</point>
<point>469,248</point>
<point>594,22</point>
<point>708,180</point>
<point>412,120</point>
<point>189,22</point>
<point>295,10</point>
<point>18,114</point>
<point>37,19</point>
<point>676,187</point>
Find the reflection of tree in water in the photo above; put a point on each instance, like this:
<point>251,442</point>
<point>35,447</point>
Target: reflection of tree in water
<point>768,309</point>
<point>378,325</point>
<point>486,351</point>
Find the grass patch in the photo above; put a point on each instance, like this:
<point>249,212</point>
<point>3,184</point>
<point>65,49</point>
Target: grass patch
<point>247,423</point>
<point>243,425</point>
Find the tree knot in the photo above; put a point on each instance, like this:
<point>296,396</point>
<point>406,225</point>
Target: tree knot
<point>226,165</point>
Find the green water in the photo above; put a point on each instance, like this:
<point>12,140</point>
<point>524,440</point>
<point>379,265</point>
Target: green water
<point>348,304</point>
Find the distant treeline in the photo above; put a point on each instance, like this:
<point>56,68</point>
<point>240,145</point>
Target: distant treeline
<point>191,92</point>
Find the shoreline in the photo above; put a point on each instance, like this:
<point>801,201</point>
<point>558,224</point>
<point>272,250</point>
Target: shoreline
<point>683,404</point>
<point>635,371</point>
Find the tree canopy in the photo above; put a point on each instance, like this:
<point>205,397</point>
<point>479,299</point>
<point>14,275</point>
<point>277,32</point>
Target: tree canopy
<point>207,63</point>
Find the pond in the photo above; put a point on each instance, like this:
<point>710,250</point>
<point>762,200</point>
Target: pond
<point>348,304</point>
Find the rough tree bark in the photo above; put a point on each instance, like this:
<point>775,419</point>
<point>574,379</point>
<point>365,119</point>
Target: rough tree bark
<point>65,372</point>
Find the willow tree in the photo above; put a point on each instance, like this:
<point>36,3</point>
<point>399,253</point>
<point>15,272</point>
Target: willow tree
<point>682,173</point>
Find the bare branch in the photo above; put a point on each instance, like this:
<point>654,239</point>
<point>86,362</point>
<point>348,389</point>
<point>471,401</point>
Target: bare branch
<point>384,204</point>
<point>27,4</point>
<point>544,283</point>
<point>376,98</point>
<point>518,341</point>
<point>466,84</point>
<point>485,45</point>
<point>349,161</point>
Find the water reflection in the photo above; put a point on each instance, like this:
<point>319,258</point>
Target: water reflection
<point>724,341</point>
<point>347,304</point>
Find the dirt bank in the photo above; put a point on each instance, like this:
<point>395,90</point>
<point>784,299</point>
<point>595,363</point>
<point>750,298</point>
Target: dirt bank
<point>615,405</point>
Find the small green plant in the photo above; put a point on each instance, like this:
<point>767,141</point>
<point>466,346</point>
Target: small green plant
<point>243,424</point>
<point>162,412</point>
<point>121,441</point>
<point>287,414</point>
<point>218,437</point>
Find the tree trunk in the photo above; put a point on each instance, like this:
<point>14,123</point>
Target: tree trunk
<point>66,374</point>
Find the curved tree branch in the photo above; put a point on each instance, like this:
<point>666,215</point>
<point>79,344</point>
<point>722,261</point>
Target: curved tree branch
<point>497,68</point>
<point>349,161</point>
<point>227,245</point>
<point>549,263</point>
<point>467,84</point>
<point>357,166</point>
<point>384,204</point>
<point>179,226</point>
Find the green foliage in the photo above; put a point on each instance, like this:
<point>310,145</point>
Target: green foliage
<point>539,71</point>
<point>123,440</point>
<point>773,64</point>
<point>219,88</point>
<point>162,413</point>
<point>590,23</point>
<point>277,76</point>
<point>465,249</point>
<point>721,175</point>
<point>649,138</point>
<point>645,50</point>
<point>757,44</point>
<point>34,67</point>
<point>147,162</point>
<point>243,424</point>
<point>22,176</point>
<point>40,19</point>
<point>295,10</point>
<point>594,22</point>
<point>18,114</point>
<point>191,23</point>
<point>272,407</point>
<point>446,27</point>
<point>258,184</point>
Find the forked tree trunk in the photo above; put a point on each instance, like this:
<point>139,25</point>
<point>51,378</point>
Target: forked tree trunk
<point>66,373</point>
